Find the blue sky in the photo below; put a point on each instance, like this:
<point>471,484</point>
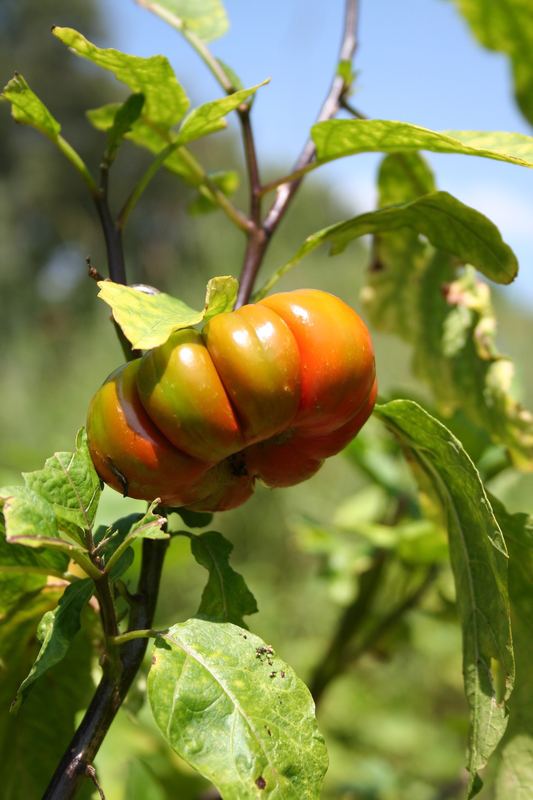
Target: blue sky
<point>416,62</point>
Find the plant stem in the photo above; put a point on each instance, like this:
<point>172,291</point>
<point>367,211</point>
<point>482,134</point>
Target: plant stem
<point>120,670</point>
<point>78,163</point>
<point>147,633</point>
<point>108,616</point>
<point>296,175</point>
<point>113,242</point>
<point>395,616</point>
<point>203,182</point>
<point>218,196</point>
<point>354,616</point>
<point>352,110</point>
<point>112,689</point>
<point>252,166</point>
<point>258,243</point>
<point>114,248</point>
<point>339,656</point>
<point>329,109</point>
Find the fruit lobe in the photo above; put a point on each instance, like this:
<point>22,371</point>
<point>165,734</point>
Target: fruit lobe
<point>183,394</point>
<point>336,356</point>
<point>257,358</point>
<point>128,450</point>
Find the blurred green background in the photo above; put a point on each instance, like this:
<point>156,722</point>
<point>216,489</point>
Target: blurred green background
<point>396,723</point>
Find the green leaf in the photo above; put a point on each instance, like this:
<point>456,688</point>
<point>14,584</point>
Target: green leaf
<point>447,317</point>
<point>165,100</point>
<point>479,562</point>
<point>154,140</point>
<point>345,137</point>
<point>508,28</point>
<point>125,116</point>
<point>371,456</point>
<point>209,117</point>
<point>207,19</point>
<point>149,526</point>
<point>228,183</point>
<point>29,518</point>
<point>70,483</point>
<point>27,109</point>
<point>232,77</point>
<point>115,541</point>
<point>346,72</point>
<point>15,586</point>
<point>237,713</point>
<point>446,222</point>
<point>220,296</point>
<point>33,741</point>
<point>17,575</point>
<point>226,597</point>
<point>194,519</point>
<point>515,774</point>
<point>146,319</point>
<point>56,632</point>
<point>18,558</point>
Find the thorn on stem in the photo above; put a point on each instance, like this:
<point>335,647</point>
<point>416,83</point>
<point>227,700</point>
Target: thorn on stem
<point>92,271</point>
<point>91,773</point>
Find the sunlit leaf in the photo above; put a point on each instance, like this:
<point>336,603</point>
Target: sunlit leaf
<point>479,561</point>
<point>209,117</point>
<point>508,28</point>
<point>220,296</point>
<point>236,712</point>
<point>205,18</point>
<point>146,319</point>
<point>70,484</point>
<point>29,518</point>
<point>27,109</point>
<point>446,222</point>
<point>344,137</point>
<point>165,100</point>
<point>61,498</point>
<point>446,315</point>
<point>226,597</point>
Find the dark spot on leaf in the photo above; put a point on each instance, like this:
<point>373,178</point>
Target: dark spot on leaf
<point>273,674</point>
<point>261,782</point>
<point>282,674</point>
<point>268,730</point>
